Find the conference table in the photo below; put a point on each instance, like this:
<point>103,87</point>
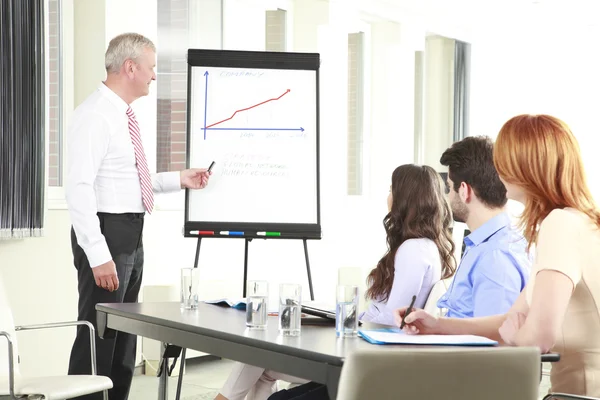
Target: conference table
<point>317,354</point>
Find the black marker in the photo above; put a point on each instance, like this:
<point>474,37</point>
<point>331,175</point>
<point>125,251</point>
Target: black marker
<point>408,311</point>
<point>211,165</point>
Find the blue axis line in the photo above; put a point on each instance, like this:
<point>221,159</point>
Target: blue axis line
<point>252,129</point>
<point>205,101</point>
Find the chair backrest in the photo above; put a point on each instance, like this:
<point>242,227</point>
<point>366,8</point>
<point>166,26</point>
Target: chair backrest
<point>459,373</point>
<point>7,325</point>
<point>437,291</point>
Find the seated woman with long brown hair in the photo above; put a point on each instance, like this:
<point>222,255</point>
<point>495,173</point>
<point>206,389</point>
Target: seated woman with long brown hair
<point>420,247</point>
<point>539,161</point>
<point>420,252</point>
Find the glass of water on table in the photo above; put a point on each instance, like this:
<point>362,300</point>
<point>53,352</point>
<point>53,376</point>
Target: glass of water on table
<point>256,304</point>
<point>346,313</point>
<point>190,281</point>
<point>290,305</point>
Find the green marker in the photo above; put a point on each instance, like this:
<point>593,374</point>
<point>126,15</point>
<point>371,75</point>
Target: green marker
<point>268,233</point>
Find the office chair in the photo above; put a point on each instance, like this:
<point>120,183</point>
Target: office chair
<point>13,385</point>
<point>565,396</point>
<point>458,373</point>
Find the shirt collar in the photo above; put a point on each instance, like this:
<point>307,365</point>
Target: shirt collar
<point>488,229</point>
<point>114,98</point>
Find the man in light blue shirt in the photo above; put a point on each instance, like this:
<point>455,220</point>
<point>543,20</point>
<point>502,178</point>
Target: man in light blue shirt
<point>495,265</point>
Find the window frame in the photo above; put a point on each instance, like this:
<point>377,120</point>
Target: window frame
<point>55,195</point>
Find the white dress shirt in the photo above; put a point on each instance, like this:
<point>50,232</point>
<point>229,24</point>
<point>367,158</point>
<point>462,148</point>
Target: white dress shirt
<point>102,175</point>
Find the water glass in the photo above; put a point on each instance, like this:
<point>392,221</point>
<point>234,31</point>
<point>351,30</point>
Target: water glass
<point>346,311</point>
<point>190,281</point>
<point>256,304</point>
<point>290,309</point>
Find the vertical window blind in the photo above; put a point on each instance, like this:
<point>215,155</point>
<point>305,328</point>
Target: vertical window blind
<point>462,89</point>
<point>22,118</point>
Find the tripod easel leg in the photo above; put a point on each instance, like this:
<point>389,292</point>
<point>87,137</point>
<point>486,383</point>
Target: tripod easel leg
<point>245,265</point>
<point>310,285</point>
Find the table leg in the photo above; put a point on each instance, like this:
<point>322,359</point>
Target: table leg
<point>180,379</point>
<point>163,379</point>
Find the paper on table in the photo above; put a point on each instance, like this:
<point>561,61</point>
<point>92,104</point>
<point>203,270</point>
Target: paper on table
<point>396,336</point>
<point>238,304</point>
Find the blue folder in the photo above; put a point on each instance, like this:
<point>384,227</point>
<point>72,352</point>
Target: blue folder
<point>396,336</point>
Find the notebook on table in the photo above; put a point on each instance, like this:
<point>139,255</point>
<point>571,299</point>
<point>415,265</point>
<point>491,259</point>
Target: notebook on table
<point>396,336</point>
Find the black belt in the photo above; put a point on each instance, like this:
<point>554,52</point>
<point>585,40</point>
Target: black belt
<point>134,215</point>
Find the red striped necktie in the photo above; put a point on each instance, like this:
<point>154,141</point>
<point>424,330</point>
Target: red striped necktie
<point>140,160</point>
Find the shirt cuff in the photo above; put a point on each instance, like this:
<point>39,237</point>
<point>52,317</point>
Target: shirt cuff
<point>98,254</point>
<point>168,182</point>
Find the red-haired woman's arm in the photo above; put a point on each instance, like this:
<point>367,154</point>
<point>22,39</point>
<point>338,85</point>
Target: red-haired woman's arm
<point>550,299</point>
<point>558,268</point>
<point>421,322</point>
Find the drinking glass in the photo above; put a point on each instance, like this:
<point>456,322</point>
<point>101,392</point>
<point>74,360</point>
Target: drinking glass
<point>189,288</point>
<point>346,311</point>
<point>256,304</point>
<point>290,304</point>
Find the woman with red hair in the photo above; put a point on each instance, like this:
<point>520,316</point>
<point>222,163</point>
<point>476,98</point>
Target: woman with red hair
<point>539,161</point>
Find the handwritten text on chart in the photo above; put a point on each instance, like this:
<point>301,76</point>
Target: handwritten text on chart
<point>249,74</point>
<point>253,165</point>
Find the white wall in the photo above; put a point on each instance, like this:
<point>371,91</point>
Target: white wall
<point>89,44</point>
<point>238,14</point>
<point>41,285</point>
<point>439,99</point>
<point>204,25</point>
<point>539,70</point>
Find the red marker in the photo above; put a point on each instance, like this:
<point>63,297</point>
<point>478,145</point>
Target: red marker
<point>202,233</point>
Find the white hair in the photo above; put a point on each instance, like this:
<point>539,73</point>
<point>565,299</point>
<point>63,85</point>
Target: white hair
<point>127,46</point>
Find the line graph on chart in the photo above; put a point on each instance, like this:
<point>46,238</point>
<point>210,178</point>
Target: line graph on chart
<point>217,126</point>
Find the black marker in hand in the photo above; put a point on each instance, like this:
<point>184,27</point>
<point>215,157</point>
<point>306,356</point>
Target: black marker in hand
<point>408,311</point>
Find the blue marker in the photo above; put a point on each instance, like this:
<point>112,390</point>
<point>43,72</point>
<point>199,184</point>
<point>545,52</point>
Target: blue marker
<point>231,233</point>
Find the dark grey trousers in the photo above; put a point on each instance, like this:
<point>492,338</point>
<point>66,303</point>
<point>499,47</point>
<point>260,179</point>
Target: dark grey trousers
<point>115,357</point>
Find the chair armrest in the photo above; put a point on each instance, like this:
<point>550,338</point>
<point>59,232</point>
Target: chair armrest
<point>68,323</point>
<point>11,366</point>
<point>565,396</point>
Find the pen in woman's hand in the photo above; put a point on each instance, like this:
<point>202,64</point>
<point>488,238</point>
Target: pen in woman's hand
<point>408,311</point>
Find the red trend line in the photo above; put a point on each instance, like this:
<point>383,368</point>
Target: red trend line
<point>248,108</point>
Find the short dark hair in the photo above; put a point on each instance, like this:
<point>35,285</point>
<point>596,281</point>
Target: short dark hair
<point>471,160</point>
